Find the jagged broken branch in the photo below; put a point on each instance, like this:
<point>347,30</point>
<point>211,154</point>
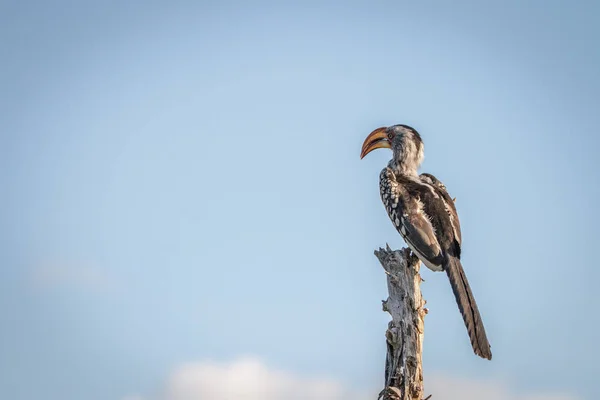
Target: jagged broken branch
<point>404,336</point>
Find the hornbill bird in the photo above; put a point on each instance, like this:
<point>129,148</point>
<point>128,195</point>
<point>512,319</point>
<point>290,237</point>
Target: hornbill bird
<point>425,215</point>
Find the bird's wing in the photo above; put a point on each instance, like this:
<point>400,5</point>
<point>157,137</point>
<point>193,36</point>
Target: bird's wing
<point>448,202</point>
<point>439,208</point>
<point>445,219</point>
<point>406,212</point>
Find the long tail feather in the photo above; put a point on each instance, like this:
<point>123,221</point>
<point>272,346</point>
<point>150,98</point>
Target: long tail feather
<point>468,307</point>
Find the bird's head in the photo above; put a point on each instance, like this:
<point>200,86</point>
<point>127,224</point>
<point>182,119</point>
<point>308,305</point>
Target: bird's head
<point>405,142</point>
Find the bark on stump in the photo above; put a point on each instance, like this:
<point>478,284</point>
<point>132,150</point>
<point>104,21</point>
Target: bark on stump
<point>404,336</point>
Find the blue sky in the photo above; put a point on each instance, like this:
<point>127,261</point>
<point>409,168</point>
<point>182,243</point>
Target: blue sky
<point>182,183</point>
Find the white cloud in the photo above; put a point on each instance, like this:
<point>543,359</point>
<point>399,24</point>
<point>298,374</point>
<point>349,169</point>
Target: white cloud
<point>250,379</point>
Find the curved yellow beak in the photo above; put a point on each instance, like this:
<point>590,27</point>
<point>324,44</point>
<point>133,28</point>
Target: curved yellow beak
<point>376,140</point>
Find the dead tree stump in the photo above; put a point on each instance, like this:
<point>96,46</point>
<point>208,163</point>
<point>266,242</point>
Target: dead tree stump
<point>404,336</point>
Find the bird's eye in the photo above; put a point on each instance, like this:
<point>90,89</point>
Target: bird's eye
<point>390,135</point>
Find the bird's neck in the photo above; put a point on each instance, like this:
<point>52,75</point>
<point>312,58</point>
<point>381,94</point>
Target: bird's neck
<point>404,166</point>
<point>407,156</point>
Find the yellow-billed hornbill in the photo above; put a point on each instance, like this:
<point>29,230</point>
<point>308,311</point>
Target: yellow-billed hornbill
<point>425,215</point>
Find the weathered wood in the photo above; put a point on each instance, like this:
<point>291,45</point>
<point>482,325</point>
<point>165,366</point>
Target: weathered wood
<point>404,336</point>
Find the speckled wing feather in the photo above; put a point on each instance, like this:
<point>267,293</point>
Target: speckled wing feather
<point>406,212</point>
<point>448,203</point>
